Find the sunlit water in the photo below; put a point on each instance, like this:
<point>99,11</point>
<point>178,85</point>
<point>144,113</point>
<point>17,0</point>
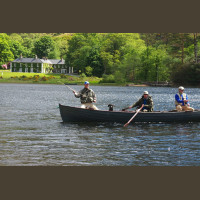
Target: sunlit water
<point>32,132</point>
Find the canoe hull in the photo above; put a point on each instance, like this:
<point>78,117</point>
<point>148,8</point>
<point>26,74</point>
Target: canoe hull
<point>74,114</point>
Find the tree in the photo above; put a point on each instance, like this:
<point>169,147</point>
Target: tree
<point>5,53</point>
<point>17,49</point>
<point>44,46</point>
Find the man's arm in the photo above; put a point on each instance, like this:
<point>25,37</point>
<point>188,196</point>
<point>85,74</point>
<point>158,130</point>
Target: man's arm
<point>132,106</point>
<point>77,94</point>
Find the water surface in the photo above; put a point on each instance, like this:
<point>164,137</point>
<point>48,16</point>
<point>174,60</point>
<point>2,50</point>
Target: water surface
<point>32,132</point>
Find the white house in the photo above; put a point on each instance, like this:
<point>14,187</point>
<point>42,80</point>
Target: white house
<point>37,65</point>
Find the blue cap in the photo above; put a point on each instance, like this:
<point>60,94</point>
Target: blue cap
<point>86,82</point>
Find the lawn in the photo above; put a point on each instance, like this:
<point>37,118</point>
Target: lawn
<point>19,77</point>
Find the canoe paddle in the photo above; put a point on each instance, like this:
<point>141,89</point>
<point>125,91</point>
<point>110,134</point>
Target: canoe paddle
<point>133,116</point>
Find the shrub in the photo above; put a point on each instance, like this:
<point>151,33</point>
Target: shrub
<point>70,78</point>
<point>44,78</point>
<point>63,76</point>
<point>4,66</point>
<point>51,77</point>
<point>107,79</point>
<point>88,70</point>
<point>36,76</point>
<point>82,76</point>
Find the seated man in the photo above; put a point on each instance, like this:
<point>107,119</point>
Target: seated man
<point>181,100</point>
<point>145,100</point>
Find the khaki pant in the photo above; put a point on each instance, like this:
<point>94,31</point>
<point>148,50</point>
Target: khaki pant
<point>184,108</point>
<point>88,106</point>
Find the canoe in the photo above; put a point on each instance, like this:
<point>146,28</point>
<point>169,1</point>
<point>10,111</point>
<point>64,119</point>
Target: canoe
<point>76,114</point>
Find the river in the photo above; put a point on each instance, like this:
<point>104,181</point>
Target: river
<point>32,132</point>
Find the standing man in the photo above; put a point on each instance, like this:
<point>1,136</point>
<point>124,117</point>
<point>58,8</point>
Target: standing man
<point>87,97</point>
<point>147,102</point>
<point>181,100</point>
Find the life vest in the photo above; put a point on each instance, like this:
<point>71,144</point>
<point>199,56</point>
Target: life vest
<point>87,96</point>
<point>181,97</point>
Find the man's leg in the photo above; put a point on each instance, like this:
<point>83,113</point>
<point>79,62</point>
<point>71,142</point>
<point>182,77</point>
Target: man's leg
<point>179,108</point>
<point>83,106</point>
<point>92,106</point>
<point>185,108</point>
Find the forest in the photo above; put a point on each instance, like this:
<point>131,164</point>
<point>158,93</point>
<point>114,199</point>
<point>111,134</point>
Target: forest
<point>114,57</point>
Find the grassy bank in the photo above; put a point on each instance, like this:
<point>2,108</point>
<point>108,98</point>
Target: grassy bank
<point>19,77</point>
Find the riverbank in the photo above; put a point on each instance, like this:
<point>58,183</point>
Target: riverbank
<point>39,78</point>
<point>72,79</point>
<point>31,78</point>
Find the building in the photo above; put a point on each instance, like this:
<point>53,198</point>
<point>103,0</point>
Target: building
<point>37,65</point>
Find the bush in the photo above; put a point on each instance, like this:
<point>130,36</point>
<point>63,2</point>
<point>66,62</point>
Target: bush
<point>36,76</point>
<point>107,79</point>
<point>63,76</point>
<point>51,77</point>
<point>44,78</point>
<point>23,76</point>
<point>88,70</point>
<point>119,77</point>
<point>82,76</point>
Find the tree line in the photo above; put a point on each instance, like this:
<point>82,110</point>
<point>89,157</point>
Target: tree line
<point>116,57</point>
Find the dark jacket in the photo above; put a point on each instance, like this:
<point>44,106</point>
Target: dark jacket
<point>86,95</point>
<point>148,106</point>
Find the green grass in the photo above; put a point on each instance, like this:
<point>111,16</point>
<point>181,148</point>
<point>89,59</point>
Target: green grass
<point>19,77</point>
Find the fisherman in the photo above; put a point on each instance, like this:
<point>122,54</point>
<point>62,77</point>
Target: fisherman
<point>87,97</point>
<point>147,102</point>
<point>181,100</point>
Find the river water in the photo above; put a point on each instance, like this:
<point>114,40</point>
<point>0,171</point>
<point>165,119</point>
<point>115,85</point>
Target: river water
<point>32,132</point>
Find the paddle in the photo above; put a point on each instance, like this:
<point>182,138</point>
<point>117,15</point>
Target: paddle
<point>133,116</point>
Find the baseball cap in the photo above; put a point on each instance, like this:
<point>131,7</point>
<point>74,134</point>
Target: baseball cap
<point>146,92</point>
<point>181,88</point>
<point>86,83</point>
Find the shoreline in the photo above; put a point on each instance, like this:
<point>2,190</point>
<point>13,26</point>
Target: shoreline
<point>95,84</point>
<point>56,79</point>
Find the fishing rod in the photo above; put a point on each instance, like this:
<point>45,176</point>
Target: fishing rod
<point>67,86</point>
<point>70,88</point>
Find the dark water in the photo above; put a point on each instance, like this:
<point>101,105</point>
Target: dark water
<point>32,132</point>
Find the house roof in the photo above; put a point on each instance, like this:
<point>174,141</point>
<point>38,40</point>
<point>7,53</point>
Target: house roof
<point>54,61</point>
<point>38,60</point>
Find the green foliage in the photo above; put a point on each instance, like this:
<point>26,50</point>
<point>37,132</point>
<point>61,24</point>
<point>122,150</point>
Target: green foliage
<point>128,57</point>
<point>88,71</point>
<point>82,76</point>
<point>187,74</point>
<point>6,54</point>
<point>44,46</point>
<point>63,76</point>
<point>108,78</point>
<point>119,77</point>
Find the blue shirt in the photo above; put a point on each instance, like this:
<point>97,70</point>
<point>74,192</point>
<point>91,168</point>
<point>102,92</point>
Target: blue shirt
<point>180,100</point>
